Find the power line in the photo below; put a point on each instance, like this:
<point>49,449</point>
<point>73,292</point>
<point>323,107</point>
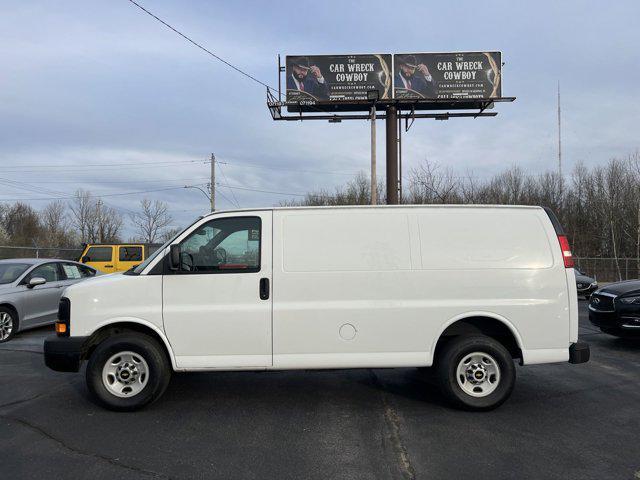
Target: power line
<point>227,198</point>
<point>80,181</point>
<point>57,195</point>
<point>238,187</point>
<point>242,72</point>
<point>225,179</point>
<point>82,166</point>
<point>96,196</point>
<point>269,167</point>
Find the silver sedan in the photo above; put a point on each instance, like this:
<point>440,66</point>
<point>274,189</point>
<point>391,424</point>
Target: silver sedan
<point>30,289</point>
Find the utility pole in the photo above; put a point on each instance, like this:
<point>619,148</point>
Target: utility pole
<point>374,181</point>
<point>392,155</point>
<point>212,185</point>
<point>100,226</point>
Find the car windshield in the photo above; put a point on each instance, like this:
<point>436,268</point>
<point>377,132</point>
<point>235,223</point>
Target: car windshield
<point>9,272</point>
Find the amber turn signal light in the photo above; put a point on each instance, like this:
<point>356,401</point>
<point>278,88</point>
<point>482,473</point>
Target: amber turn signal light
<point>61,328</point>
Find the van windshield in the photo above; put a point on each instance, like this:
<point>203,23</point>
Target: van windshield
<point>139,268</point>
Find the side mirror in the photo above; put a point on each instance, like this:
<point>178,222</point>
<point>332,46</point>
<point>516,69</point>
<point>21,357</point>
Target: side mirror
<point>86,259</point>
<point>35,281</point>
<point>174,257</point>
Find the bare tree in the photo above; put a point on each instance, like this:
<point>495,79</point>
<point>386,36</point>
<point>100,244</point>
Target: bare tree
<point>83,215</point>
<point>152,220</point>
<point>429,183</point>
<point>109,223</point>
<point>95,222</point>
<point>56,227</point>
<point>22,225</point>
<point>169,233</point>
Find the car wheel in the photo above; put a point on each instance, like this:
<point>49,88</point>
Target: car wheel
<point>8,324</point>
<point>128,371</point>
<point>475,372</point>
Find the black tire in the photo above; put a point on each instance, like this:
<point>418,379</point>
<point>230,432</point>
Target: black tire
<point>454,351</point>
<point>15,325</point>
<point>159,370</point>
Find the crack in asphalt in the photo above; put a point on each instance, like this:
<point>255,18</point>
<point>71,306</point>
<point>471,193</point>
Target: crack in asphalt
<point>47,393</point>
<point>20,351</point>
<point>24,400</point>
<point>63,445</point>
<point>392,421</point>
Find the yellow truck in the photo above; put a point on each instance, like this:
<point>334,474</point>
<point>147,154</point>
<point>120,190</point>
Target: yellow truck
<point>110,258</point>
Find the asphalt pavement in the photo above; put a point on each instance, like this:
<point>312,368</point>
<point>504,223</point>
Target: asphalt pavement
<point>563,421</point>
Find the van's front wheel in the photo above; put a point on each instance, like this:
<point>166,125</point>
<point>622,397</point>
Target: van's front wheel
<point>476,372</point>
<point>128,371</point>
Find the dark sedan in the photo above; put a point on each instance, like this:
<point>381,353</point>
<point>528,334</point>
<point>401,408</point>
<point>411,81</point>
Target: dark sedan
<point>586,285</point>
<point>615,309</point>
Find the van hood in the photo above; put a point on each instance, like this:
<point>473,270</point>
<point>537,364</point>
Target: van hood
<point>97,281</point>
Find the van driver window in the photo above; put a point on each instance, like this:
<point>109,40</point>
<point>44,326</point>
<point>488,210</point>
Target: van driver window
<point>223,245</point>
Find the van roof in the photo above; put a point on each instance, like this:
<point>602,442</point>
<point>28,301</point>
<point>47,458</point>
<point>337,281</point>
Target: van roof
<point>365,207</point>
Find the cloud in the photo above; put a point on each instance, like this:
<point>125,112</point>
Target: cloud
<point>101,82</point>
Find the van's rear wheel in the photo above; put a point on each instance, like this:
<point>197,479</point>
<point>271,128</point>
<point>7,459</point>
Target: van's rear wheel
<point>128,371</point>
<point>476,372</point>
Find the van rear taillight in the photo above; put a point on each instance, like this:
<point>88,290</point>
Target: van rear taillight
<point>566,251</point>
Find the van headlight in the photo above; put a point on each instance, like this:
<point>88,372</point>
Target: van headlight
<point>630,300</point>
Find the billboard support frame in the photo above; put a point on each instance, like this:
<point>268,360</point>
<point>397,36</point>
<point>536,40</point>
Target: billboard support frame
<point>275,108</point>
<point>394,111</point>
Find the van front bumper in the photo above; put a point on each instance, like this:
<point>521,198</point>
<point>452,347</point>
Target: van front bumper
<point>579,352</point>
<point>64,354</point>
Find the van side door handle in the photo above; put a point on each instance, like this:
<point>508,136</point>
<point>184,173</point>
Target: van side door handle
<point>264,289</point>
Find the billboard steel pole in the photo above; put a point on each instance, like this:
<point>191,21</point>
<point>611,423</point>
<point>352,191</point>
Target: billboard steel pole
<point>374,181</point>
<point>400,158</point>
<point>392,155</point>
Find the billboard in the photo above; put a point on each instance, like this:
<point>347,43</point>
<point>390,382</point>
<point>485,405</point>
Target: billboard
<point>447,76</point>
<point>315,79</point>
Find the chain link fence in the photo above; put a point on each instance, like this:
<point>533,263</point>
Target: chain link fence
<point>609,269</point>
<point>7,251</point>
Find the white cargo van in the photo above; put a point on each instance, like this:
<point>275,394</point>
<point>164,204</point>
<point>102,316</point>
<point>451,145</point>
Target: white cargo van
<point>465,289</point>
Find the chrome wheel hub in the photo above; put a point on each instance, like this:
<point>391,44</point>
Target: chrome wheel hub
<point>478,374</point>
<point>6,325</point>
<point>125,374</point>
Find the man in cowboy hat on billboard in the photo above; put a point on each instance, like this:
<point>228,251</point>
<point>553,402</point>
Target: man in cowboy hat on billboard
<point>414,77</point>
<point>307,78</point>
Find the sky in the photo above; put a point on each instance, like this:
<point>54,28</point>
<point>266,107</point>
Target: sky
<point>98,95</point>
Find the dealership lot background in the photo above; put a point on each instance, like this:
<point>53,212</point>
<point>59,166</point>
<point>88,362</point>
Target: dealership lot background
<point>122,122</point>
<point>563,421</point>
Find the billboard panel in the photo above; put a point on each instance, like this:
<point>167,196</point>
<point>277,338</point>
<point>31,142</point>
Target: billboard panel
<point>447,76</point>
<point>313,79</point>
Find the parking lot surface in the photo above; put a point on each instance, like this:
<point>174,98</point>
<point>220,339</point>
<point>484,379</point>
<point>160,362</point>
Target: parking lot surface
<point>563,421</point>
